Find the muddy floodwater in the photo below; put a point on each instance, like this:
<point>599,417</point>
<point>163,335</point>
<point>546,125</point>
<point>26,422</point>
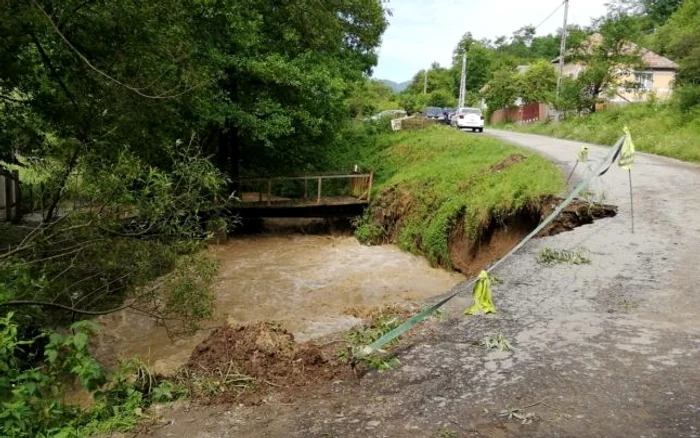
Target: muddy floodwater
<point>305,282</point>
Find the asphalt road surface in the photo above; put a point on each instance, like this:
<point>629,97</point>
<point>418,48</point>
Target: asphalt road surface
<point>610,349</point>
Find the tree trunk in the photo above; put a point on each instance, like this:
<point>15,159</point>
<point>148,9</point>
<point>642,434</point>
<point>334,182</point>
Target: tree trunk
<point>53,206</point>
<point>228,153</point>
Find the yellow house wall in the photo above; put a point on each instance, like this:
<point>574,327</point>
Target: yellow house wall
<point>662,87</point>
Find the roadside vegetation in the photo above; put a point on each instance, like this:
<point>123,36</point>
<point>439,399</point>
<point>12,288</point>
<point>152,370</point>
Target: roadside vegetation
<point>429,181</point>
<point>132,121</point>
<point>670,28</point>
<point>129,123</point>
<point>657,129</point>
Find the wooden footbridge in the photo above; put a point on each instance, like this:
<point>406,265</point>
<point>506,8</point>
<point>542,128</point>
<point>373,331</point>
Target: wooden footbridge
<point>343,195</point>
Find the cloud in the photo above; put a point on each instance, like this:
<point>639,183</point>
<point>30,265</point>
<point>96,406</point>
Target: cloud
<point>423,31</point>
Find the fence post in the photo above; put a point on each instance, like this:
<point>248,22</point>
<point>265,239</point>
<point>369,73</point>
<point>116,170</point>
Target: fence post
<point>369,189</point>
<point>318,195</point>
<point>269,191</point>
<point>306,188</point>
<point>18,195</point>
<point>42,188</point>
<point>8,197</point>
<point>31,198</point>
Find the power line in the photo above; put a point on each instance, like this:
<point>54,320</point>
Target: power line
<point>550,15</point>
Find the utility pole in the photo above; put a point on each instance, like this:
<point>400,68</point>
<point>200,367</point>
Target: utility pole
<point>562,47</point>
<point>425,81</point>
<point>463,82</point>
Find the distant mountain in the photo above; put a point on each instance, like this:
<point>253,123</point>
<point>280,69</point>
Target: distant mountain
<point>397,87</point>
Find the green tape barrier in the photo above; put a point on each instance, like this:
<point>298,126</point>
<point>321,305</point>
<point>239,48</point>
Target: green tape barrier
<point>403,328</point>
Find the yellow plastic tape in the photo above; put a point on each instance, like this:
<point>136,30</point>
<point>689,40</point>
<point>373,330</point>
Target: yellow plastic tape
<point>627,153</point>
<point>482,296</point>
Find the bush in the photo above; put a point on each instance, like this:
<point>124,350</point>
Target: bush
<point>31,397</point>
<point>658,129</point>
<point>687,98</point>
<point>369,233</point>
<point>431,179</point>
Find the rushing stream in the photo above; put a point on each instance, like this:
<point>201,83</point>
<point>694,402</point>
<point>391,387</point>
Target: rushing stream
<point>306,282</point>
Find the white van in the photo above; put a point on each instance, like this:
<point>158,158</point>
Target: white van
<point>468,118</point>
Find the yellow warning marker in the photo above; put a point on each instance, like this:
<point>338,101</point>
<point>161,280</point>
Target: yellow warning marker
<point>583,154</point>
<point>626,161</point>
<point>581,157</point>
<point>482,296</point>
<point>627,153</point>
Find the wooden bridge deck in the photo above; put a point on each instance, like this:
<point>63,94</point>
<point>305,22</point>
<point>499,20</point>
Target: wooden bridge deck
<point>350,195</point>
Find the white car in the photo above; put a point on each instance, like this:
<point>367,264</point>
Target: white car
<point>468,118</point>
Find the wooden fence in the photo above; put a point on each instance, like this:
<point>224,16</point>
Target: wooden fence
<point>10,195</point>
<point>532,112</point>
<point>417,122</point>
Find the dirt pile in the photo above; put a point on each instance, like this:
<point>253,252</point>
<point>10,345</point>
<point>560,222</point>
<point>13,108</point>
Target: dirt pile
<point>266,353</point>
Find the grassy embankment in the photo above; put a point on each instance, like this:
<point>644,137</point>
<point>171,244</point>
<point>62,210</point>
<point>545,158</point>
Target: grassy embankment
<point>656,129</point>
<point>429,180</point>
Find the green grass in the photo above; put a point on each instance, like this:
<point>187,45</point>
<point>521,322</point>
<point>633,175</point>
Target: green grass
<point>448,177</point>
<point>656,129</point>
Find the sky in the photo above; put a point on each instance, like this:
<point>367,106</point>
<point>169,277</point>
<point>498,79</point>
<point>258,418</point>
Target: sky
<point>424,31</point>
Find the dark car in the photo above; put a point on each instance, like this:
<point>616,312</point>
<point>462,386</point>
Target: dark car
<point>446,115</point>
<point>433,112</point>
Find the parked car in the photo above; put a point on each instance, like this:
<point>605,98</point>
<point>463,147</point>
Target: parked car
<point>434,112</point>
<point>468,118</point>
<point>390,114</point>
<point>446,115</point>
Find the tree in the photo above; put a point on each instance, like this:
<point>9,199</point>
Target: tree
<point>440,89</point>
<point>441,98</point>
<point>412,103</point>
<point>438,79</point>
<point>573,96</point>
<point>659,11</point>
<point>538,83</point>
<point>606,58</point>
<point>502,91</point>
<point>680,40</point>
<point>479,61</point>
<point>524,35</point>
<point>463,46</point>
<point>133,106</point>
<point>370,96</point>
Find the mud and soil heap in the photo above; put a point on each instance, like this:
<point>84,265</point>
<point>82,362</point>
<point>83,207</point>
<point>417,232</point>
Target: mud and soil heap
<point>265,352</point>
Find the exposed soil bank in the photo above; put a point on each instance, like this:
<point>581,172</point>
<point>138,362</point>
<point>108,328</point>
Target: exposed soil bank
<point>498,236</point>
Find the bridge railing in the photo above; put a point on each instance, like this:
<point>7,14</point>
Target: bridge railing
<point>309,188</point>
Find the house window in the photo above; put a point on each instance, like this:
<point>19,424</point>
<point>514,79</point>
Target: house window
<point>644,80</point>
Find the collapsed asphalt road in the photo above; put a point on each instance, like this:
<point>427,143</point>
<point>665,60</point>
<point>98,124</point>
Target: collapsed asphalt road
<point>607,349</point>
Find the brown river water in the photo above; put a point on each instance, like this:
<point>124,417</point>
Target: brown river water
<point>305,282</point>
